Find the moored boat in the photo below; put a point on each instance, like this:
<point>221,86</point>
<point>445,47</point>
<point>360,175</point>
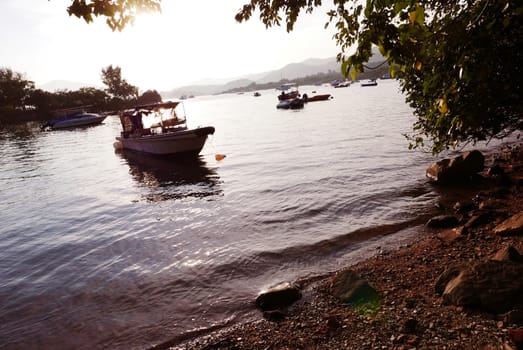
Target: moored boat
<point>341,83</point>
<point>289,91</point>
<point>73,120</point>
<point>370,82</point>
<point>159,129</point>
<point>313,98</point>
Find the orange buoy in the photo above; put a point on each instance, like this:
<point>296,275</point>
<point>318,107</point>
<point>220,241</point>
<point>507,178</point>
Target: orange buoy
<point>219,156</point>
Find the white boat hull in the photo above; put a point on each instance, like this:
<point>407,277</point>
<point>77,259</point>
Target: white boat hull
<point>173,143</point>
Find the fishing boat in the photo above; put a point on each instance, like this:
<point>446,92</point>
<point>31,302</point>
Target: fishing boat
<point>289,91</point>
<point>160,129</point>
<point>73,120</point>
<point>313,98</point>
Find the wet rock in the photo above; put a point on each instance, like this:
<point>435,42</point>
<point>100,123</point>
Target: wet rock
<point>492,204</point>
<point>479,219</point>
<point>463,207</point>
<point>448,275</point>
<point>274,315</point>
<point>351,289</point>
<point>452,234</point>
<point>508,253</point>
<point>511,226</point>
<point>493,286</point>
<point>442,221</point>
<point>458,169</point>
<point>278,297</point>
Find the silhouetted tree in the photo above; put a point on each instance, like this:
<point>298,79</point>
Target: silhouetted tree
<point>14,89</point>
<point>118,87</point>
<point>149,96</point>
<point>41,100</point>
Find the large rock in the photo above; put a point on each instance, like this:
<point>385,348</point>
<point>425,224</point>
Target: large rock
<point>508,253</point>
<point>511,226</point>
<point>495,286</point>
<point>278,297</point>
<point>458,169</point>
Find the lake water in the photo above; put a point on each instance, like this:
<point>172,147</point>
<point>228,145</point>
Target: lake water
<point>108,250</point>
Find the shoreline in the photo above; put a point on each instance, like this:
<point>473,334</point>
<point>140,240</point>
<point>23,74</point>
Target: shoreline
<point>411,314</point>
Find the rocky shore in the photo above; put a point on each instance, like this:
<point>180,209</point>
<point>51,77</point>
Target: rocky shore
<point>459,286</point>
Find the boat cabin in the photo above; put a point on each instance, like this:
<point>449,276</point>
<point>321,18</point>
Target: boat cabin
<point>156,118</point>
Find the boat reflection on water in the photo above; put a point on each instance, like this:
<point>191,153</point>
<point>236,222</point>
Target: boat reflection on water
<point>172,178</point>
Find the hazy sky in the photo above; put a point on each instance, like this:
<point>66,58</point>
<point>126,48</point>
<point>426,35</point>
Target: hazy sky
<point>189,41</point>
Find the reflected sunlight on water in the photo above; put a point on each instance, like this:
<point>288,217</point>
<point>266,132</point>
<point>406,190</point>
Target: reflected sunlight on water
<point>121,250</point>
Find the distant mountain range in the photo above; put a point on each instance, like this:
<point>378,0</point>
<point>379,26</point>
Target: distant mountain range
<point>291,71</point>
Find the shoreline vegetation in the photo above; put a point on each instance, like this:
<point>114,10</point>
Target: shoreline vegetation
<point>411,305</point>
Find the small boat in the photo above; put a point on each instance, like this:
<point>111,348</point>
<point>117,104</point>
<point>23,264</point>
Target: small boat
<point>342,84</point>
<point>295,103</point>
<point>256,94</point>
<point>289,91</point>
<point>74,120</point>
<point>314,98</point>
<point>370,82</point>
<point>159,129</point>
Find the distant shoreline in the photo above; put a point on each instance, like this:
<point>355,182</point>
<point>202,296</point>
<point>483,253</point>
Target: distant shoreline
<point>23,116</point>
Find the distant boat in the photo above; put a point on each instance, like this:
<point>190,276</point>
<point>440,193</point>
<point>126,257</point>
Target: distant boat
<point>370,82</point>
<point>342,83</point>
<point>256,94</point>
<point>75,119</point>
<point>288,91</point>
<point>166,132</point>
<point>314,98</point>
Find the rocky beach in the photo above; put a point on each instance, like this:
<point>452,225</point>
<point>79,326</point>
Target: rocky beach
<point>458,286</point>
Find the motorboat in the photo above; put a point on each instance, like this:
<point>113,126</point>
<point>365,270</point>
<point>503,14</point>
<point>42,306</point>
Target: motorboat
<point>341,84</point>
<point>289,91</point>
<point>370,82</point>
<point>313,98</point>
<point>295,103</point>
<point>73,120</point>
<point>160,129</point>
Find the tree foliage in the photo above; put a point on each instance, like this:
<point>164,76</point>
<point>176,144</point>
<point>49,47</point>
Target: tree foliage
<point>117,86</point>
<point>459,63</point>
<point>14,89</point>
<point>117,13</point>
<point>149,96</point>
